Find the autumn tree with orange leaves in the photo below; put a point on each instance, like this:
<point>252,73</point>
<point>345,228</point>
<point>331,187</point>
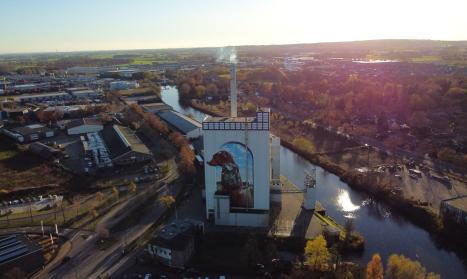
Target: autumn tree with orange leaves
<point>374,269</point>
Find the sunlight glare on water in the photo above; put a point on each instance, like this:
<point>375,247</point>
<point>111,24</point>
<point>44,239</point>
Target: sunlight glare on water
<point>345,203</point>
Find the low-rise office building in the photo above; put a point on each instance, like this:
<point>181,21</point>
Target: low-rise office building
<point>175,245</point>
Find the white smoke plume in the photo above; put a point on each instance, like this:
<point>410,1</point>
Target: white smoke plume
<point>227,55</point>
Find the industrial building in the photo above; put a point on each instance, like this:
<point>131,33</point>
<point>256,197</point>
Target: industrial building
<point>188,127</point>
<point>12,113</point>
<point>95,148</point>
<point>21,252</point>
<point>86,94</point>
<point>84,126</point>
<point>123,84</point>
<point>124,146</point>
<point>238,166</point>
<point>35,98</point>
<point>175,245</point>
<point>29,133</point>
<point>146,99</point>
<point>156,107</point>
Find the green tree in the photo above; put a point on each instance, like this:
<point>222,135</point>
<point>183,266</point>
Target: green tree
<point>374,269</point>
<point>317,255</point>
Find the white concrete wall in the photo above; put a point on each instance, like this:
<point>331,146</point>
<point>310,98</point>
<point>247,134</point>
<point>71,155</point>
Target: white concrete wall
<point>224,217</point>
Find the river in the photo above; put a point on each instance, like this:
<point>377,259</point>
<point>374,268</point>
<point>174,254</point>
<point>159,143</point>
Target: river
<point>384,232</point>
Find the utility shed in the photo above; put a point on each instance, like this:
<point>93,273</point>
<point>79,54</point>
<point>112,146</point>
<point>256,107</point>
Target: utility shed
<point>455,209</point>
<point>21,252</point>
<point>124,145</point>
<point>181,123</point>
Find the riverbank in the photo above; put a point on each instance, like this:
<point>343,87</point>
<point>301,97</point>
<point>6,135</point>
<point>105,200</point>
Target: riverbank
<point>445,235</point>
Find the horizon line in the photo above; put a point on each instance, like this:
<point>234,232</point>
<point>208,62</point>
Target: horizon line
<point>218,46</point>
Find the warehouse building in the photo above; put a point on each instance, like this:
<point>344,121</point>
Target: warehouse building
<point>124,146</point>
<point>21,252</point>
<point>181,123</point>
<point>87,94</point>
<point>35,98</point>
<point>84,126</point>
<point>140,100</point>
<point>29,133</point>
<point>156,107</point>
<point>123,84</point>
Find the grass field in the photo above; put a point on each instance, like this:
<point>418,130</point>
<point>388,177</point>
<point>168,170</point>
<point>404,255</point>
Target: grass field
<point>22,170</point>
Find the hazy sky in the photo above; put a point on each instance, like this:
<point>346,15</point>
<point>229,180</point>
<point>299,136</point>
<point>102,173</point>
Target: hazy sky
<point>68,25</point>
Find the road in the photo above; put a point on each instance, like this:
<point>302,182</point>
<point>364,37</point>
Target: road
<point>87,261</point>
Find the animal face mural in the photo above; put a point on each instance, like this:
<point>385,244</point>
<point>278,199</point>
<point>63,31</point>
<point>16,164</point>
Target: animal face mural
<point>235,164</point>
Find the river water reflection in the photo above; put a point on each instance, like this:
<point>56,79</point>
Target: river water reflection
<point>384,232</point>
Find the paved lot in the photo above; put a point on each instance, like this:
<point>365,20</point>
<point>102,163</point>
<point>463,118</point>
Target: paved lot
<point>74,150</point>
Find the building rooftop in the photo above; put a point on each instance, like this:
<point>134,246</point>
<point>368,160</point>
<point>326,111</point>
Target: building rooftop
<point>142,91</point>
<point>83,121</point>
<point>41,95</point>
<point>120,140</point>
<point>155,107</point>
<point>30,129</point>
<point>179,121</point>
<point>177,234</point>
<point>15,246</point>
<point>238,119</point>
<point>85,92</point>
<point>230,119</point>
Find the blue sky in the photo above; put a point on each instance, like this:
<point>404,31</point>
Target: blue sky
<point>70,25</point>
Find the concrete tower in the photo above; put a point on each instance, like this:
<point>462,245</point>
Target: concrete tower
<point>233,90</point>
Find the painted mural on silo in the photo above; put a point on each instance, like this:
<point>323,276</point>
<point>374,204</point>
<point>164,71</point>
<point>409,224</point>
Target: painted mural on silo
<point>234,168</point>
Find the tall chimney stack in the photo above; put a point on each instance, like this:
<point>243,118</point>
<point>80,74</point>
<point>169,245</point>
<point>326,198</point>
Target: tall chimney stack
<point>233,90</point>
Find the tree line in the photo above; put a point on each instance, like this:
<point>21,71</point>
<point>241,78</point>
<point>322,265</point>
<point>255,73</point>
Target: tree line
<point>186,154</point>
